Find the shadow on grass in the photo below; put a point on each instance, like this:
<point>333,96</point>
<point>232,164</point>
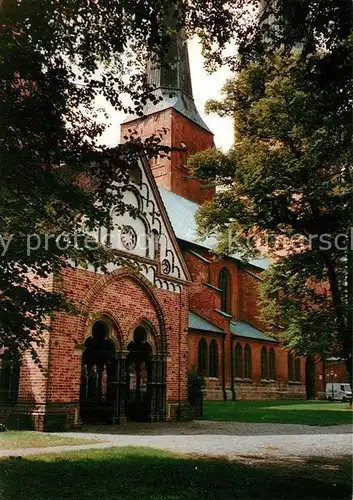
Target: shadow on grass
<point>134,473</point>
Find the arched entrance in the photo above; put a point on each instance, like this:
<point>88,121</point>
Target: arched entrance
<point>139,375</point>
<point>146,378</point>
<point>117,385</point>
<point>310,377</point>
<point>98,375</point>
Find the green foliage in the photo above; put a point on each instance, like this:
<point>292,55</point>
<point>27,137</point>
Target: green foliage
<point>196,385</point>
<point>55,57</point>
<point>287,185</point>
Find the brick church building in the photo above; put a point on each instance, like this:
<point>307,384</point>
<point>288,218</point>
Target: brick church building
<point>143,329</point>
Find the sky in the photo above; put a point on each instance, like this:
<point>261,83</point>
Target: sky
<point>205,86</point>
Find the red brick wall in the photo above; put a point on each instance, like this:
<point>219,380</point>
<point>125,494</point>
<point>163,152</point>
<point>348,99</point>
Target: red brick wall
<point>323,374</point>
<point>204,299</point>
<point>126,300</point>
<point>339,371</point>
<point>245,305</point>
<point>249,299</point>
<point>127,303</point>
<point>145,127</point>
<point>254,388</point>
<point>33,380</point>
<point>245,293</point>
<point>171,173</point>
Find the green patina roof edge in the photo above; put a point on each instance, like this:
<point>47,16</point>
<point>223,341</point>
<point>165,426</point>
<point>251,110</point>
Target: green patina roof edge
<point>254,333</point>
<point>173,202</point>
<point>203,324</point>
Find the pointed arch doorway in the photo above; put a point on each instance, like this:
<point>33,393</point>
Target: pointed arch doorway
<point>98,375</point>
<point>121,384</point>
<point>146,378</point>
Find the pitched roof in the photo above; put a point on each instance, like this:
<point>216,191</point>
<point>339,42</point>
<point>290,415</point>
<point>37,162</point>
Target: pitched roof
<point>175,99</point>
<point>196,322</point>
<point>182,212</point>
<point>242,329</point>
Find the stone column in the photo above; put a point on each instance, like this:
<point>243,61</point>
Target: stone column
<point>120,388</point>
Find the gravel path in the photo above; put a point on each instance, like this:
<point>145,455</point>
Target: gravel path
<point>221,439</point>
<point>215,428</point>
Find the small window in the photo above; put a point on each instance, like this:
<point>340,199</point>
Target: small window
<point>247,362</point>
<point>264,364</point>
<point>155,243</point>
<point>238,372</point>
<point>224,285</point>
<point>342,388</point>
<point>213,368</point>
<point>202,357</point>
<point>290,367</point>
<point>272,364</point>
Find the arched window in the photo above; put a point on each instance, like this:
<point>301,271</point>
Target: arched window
<point>247,362</point>
<point>272,363</point>
<point>238,373</point>
<point>264,364</point>
<point>290,367</point>
<point>297,374</point>
<point>155,243</point>
<point>213,368</point>
<point>10,366</point>
<point>202,358</point>
<point>224,285</point>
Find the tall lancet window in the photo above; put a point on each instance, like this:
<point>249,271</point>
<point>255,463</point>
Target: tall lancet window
<point>225,287</point>
<point>203,358</point>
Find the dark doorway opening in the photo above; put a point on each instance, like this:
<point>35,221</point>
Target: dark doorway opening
<point>116,384</point>
<point>10,367</point>
<point>97,377</point>
<point>139,363</point>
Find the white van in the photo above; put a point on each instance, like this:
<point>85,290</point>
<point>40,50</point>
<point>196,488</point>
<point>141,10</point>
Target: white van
<point>338,392</point>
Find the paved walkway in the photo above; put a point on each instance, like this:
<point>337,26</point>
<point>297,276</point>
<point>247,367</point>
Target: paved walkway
<point>218,439</point>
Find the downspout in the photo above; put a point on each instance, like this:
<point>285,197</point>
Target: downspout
<point>232,368</point>
<point>179,378</point>
<point>223,370</point>
<point>48,382</point>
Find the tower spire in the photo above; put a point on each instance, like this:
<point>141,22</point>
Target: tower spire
<point>175,113</point>
<point>171,78</point>
<point>173,72</point>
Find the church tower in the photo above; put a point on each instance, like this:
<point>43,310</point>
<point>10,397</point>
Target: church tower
<point>177,113</point>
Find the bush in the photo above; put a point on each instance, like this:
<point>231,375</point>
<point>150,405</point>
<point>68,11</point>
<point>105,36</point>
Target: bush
<point>195,391</point>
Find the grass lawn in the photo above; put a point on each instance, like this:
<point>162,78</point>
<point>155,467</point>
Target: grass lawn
<point>30,439</point>
<point>286,412</point>
<point>144,473</point>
